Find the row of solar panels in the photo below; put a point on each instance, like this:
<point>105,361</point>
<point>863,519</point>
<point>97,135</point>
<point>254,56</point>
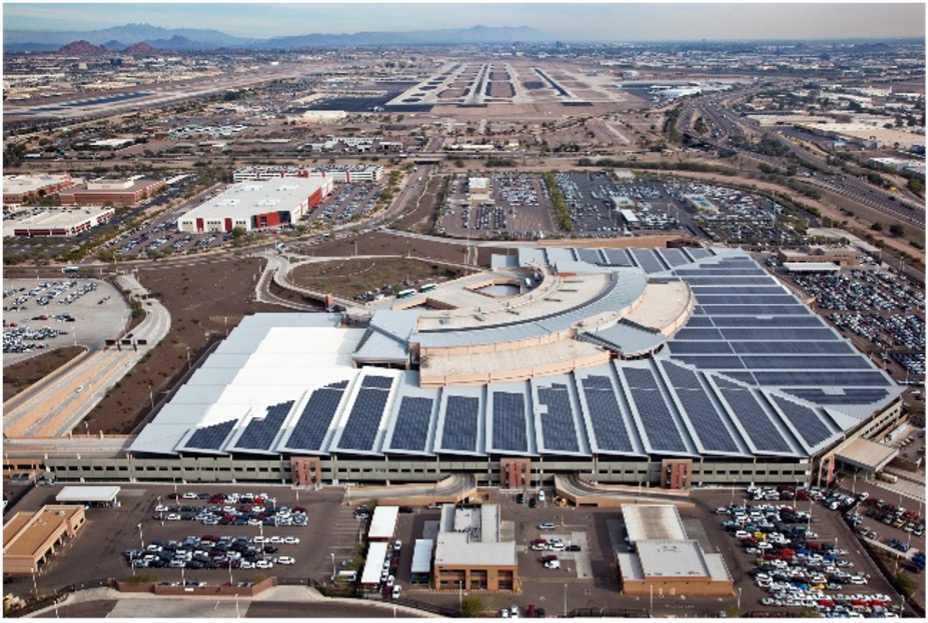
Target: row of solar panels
<point>657,407</point>
<point>649,260</point>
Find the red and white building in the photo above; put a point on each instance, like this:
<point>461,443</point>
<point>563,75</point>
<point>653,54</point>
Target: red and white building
<point>257,205</point>
<point>66,221</point>
<point>337,173</point>
<point>19,188</point>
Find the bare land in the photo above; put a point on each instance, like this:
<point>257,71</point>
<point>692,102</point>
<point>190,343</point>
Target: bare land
<point>350,277</point>
<point>19,376</point>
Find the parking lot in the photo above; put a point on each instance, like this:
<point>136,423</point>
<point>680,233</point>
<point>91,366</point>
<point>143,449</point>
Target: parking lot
<point>346,203</point>
<point>521,209</point>
<point>42,314</point>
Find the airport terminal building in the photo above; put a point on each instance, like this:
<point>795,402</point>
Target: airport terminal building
<point>667,367</point>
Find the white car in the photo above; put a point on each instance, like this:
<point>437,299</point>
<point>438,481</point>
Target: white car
<point>190,495</point>
<point>285,560</point>
<point>546,526</point>
<point>172,517</point>
<point>292,540</point>
<point>397,591</point>
<point>276,540</point>
<point>553,564</point>
<point>258,540</point>
<point>397,546</point>
<point>247,565</point>
<point>264,564</point>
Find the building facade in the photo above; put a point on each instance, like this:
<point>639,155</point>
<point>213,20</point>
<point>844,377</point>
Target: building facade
<point>97,192</point>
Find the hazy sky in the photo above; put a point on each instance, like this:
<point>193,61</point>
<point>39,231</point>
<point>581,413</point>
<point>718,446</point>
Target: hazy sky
<point>568,21</point>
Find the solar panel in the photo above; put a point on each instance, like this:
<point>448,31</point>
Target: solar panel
<point>779,322</point>
<point>687,333</point>
<point>812,348</point>
<point>777,334</point>
<point>696,253</point>
<point>460,431</point>
<point>363,421</point>
<point>311,427</point>
<point>411,431</point>
<point>659,425</point>
<point>744,377</point>
<point>557,423</point>
<point>605,415</point>
<point>210,437</point>
<point>758,310</point>
<point>745,299</point>
<point>647,261</point>
<point>718,271</point>
<point>806,422</point>
<point>851,396</point>
<point>590,256</point>
<point>712,362</point>
<point>755,290</point>
<point>259,434</point>
<point>822,379</point>
<point>706,421</point>
<point>379,382</point>
<point>697,321</point>
<point>674,257</point>
<point>754,420</point>
<point>678,347</point>
<point>735,281</point>
<point>509,422</point>
<point>617,257</point>
<point>805,362</point>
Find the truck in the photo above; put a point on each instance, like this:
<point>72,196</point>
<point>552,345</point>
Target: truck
<point>890,478</point>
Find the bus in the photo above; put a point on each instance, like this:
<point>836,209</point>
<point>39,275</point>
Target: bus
<point>70,269</point>
<point>428,287</point>
<point>405,294</point>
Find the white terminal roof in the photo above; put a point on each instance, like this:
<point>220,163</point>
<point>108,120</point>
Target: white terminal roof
<point>87,494</point>
<point>245,199</point>
<point>383,523</point>
<point>373,566</point>
<point>653,521</point>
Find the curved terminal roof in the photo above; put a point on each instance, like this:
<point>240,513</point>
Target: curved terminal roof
<point>751,372</point>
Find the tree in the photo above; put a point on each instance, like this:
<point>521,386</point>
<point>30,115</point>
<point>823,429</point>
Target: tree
<point>472,606</point>
<point>916,186</point>
<point>896,230</point>
<point>238,232</point>
<point>877,227</point>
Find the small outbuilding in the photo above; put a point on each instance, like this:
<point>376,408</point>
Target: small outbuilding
<point>91,496</point>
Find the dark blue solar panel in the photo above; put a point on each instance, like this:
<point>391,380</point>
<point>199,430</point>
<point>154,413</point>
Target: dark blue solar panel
<point>710,362</point>
<point>822,379</point>
<point>755,290</point>
<point>605,416</point>
<point>590,256</point>
<point>647,261</point>
<point>719,272</point>
<point>754,421</point>
<point>706,421</point>
<point>744,377</point>
<point>674,257</point>
<point>509,422</point>
<point>313,424</point>
<point>699,322</point>
<point>260,433</point>
<point>380,382</point>
<point>696,253</point>
<point>460,431</point>
<point>812,348</point>
<point>210,437</point>
<point>735,281</point>
<point>805,362</point>
<point>849,396</point>
<point>779,322</point>
<point>411,431</point>
<point>699,348</point>
<point>698,334</point>
<point>778,334</point>
<point>755,310</point>
<point>745,299</point>
<point>557,423</point>
<point>617,257</point>
<point>366,413</point>
<point>659,425</point>
<point>804,420</point>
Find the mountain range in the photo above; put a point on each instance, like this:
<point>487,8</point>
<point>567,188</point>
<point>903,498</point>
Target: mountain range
<point>190,39</point>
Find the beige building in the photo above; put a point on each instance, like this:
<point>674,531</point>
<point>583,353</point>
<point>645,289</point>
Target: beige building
<point>30,539</point>
<point>469,554</point>
<point>478,189</point>
<point>844,256</point>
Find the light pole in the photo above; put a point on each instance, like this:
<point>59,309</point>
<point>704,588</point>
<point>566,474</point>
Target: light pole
<point>651,606</point>
<point>332,554</point>
<point>565,600</point>
<point>35,585</point>
<point>460,594</point>
<point>230,575</point>
<point>160,511</point>
<point>739,601</point>
<point>237,614</point>
<point>141,537</point>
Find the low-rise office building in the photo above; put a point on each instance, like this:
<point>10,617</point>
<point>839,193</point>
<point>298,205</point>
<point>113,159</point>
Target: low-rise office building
<point>30,539</point>
<point>336,173</point>
<point>66,221</point>
<point>102,191</point>
<point>469,554</point>
<point>19,188</point>
<point>844,256</point>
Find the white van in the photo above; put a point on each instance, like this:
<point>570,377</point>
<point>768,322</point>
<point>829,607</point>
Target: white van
<point>541,496</point>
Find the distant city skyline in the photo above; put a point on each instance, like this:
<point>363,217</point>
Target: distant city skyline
<point>565,21</point>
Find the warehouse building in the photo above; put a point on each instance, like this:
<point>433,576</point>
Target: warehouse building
<point>31,539</point>
<point>257,205</point>
<point>664,561</point>
<point>115,192</point>
<point>19,188</point>
<point>676,367</point>
<point>337,173</point>
<point>66,221</point>
<point>469,554</point>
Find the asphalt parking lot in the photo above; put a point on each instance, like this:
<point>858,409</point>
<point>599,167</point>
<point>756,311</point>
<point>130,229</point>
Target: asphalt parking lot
<point>347,202</point>
<point>99,314</point>
<point>520,209</point>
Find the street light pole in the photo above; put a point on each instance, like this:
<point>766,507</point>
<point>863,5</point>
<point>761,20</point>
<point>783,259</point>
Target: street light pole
<point>141,537</point>
<point>651,606</point>
<point>739,601</point>
<point>565,600</point>
<point>333,565</point>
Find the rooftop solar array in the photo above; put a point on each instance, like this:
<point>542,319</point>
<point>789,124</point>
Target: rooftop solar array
<point>363,423</point>
<point>806,422</point>
<point>807,348</point>
<point>312,426</point>
<point>847,396</point>
<point>557,420</point>
<point>412,424</point>
<point>745,299</point>
<point>509,424</point>
<point>658,423</point>
<point>609,429</point>
<point>674,257</point>
<point>210,437</point>
<point>755,422</point>
<point>461,415</point>
<point>590,256</point>
<point>708,423</point>
<point>697,253</point>
<point>770,288</point>
<point>260,433</point>
<point>617,257</point>
<point>647,261</point>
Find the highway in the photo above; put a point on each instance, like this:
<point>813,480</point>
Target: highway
<point>53,408</point>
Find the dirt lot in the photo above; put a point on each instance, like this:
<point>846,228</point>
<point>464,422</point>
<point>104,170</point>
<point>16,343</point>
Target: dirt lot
<point>351,277</point>
<point>421,217</point>
<point>205,301</point>
<point>377,243</point>
<point>19,376</point>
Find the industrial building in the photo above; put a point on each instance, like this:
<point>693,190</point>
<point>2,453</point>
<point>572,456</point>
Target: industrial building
<point>19,188</point>
<point>257,205</point>
<point>469,554</point>
<point>31,539</point>
<point>337,173</point>
<point>674,367</point>
<point>66,221</point>
<point>663,561</point>
<point>114,192</point>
